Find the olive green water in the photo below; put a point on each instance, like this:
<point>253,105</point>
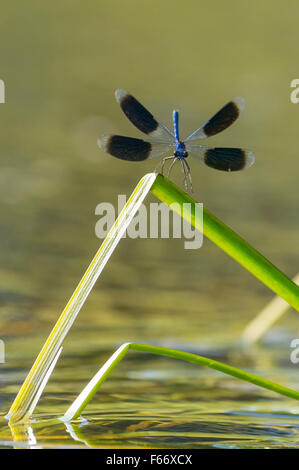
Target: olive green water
<point>61,64</point>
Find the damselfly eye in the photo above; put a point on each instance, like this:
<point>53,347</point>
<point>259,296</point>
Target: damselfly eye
<point>176,153</point>
<point>185,154</point>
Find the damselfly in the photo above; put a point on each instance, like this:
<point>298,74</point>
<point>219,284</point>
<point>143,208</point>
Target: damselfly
<point>160,140</point>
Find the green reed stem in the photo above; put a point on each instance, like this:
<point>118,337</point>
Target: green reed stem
<point>228,241</point>
<point>91,388</point>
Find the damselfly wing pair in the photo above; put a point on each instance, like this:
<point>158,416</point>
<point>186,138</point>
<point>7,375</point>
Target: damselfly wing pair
<point>160,140</point>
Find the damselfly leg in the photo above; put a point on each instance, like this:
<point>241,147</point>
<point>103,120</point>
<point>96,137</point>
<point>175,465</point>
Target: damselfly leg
<point>189,174</point>
<point>162,163</point>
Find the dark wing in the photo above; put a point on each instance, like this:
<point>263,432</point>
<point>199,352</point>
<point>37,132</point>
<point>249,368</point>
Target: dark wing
<point>142,118</point>
<point>220,121</point>
<point>134,150</point>
<point>222,158</point>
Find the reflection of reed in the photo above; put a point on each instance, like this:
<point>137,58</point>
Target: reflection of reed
<point>2,91</point>
<point>231,243</point>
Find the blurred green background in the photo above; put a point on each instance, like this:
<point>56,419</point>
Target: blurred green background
<point>61,63</point>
